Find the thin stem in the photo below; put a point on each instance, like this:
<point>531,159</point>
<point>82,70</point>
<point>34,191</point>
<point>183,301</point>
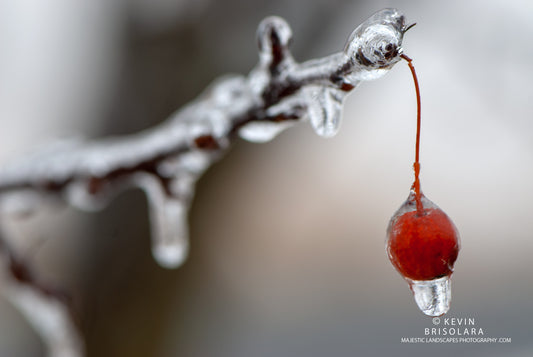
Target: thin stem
<point>416,165</point>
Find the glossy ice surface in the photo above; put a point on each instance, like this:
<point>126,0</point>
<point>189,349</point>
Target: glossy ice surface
<point>423,245</point>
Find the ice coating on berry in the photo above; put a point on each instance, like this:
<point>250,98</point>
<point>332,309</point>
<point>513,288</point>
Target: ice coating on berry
<point>422,241</point>
<point>422,246</point>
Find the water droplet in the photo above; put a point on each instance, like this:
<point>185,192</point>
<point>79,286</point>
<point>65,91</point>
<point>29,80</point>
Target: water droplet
<point>433,297</point>
<point>324,109</point>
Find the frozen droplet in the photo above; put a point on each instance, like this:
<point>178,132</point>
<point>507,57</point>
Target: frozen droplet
<point>325,109</point>
<point>433,297</point>
<point>193,162</point>
<point>374,46</point>
<point>78,195</point>
<point>273,34</point>
<point>168,221</point>
<point>170,241</point>
<point>262,131</point>
<point>170,256</point>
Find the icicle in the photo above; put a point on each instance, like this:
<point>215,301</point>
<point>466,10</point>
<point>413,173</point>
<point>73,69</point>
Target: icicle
<point>433,297</point>
<point>170,236</point>
<point>168,220</point>
<point>324,109</point>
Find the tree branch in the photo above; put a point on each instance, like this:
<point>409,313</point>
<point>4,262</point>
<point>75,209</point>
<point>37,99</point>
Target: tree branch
<point>167,160</point>
<point>46,308</point>
<point>173,155</point>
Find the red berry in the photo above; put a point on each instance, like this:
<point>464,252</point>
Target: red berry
<point>422,244</point>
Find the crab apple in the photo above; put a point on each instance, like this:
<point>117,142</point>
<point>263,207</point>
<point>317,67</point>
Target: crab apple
<point>422,244</point>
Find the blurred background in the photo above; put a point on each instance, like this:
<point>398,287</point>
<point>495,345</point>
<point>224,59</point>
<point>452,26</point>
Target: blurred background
<point>287,238</point>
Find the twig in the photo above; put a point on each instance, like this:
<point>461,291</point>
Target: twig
<point>47,309</point>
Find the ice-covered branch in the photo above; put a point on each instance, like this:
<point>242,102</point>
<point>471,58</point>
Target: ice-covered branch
<point>47,309</point>
<point>167,160</point>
